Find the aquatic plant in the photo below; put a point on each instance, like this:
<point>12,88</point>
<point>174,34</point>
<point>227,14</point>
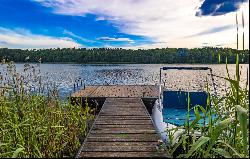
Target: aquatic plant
<point>37,125</point>
<point>227,134</point>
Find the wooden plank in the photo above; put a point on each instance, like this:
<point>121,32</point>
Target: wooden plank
<point>126,108</point>
<point>116,143</point>
<point>135,128</point>
<point>138,126</point>
<point>103,117</point>
<point>124,116</point>
<point>84,92</point>
<point>122,131</point>
<point>123,104</point>
<point>88,147</point>
<point>97,91</point>
<point>124,154</point>
<point>122,109</point>
<point>124,122</point>
<point>123,113</point>
<point>137,91</point>
<point>123,137</point>
<point>131,104</point>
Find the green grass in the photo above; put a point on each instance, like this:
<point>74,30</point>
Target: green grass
<point>37,125</point>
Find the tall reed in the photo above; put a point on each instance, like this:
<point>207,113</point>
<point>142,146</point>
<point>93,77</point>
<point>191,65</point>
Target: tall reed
<point>35,125</point>
<point>227,133</point>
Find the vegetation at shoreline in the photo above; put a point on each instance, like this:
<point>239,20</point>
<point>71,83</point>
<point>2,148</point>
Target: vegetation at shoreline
<point>205,55</point>
<point>227,132</point>
<point>35,125</point>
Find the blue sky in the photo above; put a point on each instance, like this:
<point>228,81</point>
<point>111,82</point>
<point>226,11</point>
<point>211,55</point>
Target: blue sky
<point>120,23</point>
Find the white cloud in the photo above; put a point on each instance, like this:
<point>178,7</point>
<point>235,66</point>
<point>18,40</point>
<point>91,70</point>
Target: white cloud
<point>115,39</point>
<point>100,18</point>
<point>67,32</point>
<point>162,20</point>
<point>22,38</point>
<point>147,46</point>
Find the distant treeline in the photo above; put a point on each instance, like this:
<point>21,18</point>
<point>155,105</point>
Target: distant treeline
<point>118,55</point>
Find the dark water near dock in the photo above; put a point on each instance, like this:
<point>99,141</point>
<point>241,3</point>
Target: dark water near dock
<point>63,76</point>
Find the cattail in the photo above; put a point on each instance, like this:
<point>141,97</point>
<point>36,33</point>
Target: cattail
<point>237,31</point>
<point>243,30</point>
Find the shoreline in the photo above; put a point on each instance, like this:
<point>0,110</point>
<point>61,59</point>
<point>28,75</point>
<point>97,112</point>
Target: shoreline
<point>117,63</point>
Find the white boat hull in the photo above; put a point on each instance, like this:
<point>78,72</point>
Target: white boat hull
<point>162,127</point>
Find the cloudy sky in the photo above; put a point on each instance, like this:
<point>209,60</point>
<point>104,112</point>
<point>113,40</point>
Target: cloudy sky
<point>122,23</point>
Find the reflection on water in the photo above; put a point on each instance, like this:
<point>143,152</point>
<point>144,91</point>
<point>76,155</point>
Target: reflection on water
<point>63,76</point>
<point>187,80</point>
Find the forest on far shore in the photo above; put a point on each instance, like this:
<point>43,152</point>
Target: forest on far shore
<point>206,55</point>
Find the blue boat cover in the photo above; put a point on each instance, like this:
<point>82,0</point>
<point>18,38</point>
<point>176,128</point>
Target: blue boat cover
<point>179,99</point>
<point>175,104</point>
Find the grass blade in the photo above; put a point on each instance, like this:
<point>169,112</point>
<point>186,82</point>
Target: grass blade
<point>201,141</point>
<point>16,152</point>
<point>242,116</point>
<point>216,133</point>
<point>238,155</point>
<point>222,152</point>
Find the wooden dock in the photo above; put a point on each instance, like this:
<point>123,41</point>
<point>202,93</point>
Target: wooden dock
<point>124,91</point>
<point>96,95</point>
<point>123,128</point>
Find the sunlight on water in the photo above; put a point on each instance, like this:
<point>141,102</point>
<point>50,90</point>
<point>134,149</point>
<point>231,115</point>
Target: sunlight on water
<point>63,76</point>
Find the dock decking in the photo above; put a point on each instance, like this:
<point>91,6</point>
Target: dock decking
<point>125,91</point>
<point>123,128</point>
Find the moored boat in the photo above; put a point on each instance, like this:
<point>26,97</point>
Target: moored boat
<point>170,109</point>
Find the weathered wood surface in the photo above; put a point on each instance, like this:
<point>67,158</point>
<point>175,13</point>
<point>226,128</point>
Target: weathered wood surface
<point>136,91</point>
<point>123,128</point>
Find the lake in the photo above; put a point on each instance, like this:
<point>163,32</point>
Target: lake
<point>63,76</point>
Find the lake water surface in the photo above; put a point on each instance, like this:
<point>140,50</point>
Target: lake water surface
<point>63,76</point>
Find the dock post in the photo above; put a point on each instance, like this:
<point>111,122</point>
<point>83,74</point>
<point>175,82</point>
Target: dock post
<point>143,94</point>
